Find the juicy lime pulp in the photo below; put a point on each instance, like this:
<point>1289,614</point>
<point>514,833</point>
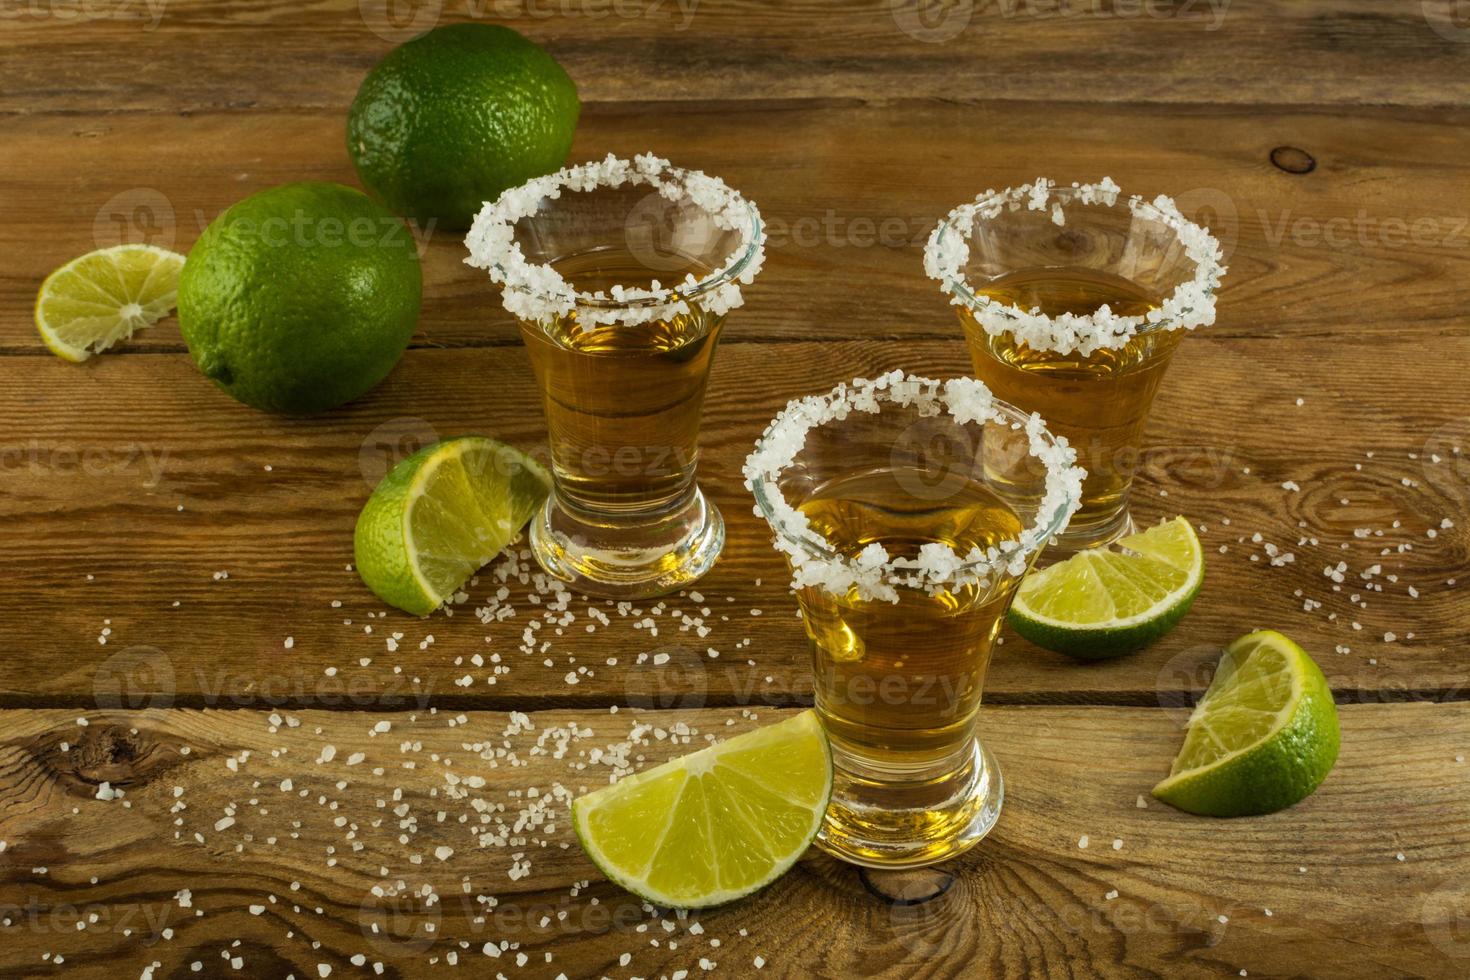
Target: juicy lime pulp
<point>714,825</point>
<point>1263,737</point>
<point>442,514</point>
<point>96,300</point>
<point>1107,601</point>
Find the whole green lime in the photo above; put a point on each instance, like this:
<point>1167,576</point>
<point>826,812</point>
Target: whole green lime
<point>454,117</point>
<point>301,297</point>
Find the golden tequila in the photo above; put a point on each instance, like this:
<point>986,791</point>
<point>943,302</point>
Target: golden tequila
<point>898,685</point>
<point>877,662</point>
<point>1099,401</point>
<point>622,401</point>
<point>623,404</point>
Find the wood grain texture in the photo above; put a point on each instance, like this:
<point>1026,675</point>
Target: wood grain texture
<point>269,54</point>
<point>1192,895</point>
<point>1323,140</point>
<point>847,203</point>
<point>131,482</point>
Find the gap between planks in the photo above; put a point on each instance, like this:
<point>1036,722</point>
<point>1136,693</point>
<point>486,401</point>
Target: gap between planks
<point>796,104</point>
<point>1167,701</point>
<point>493,343</point>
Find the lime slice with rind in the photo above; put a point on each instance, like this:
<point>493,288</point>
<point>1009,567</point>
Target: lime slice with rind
<point>103,297</point>
<point>715,825</point>
<point>1262,738</point>
<point>441,515</point>
<point>1108,601</point>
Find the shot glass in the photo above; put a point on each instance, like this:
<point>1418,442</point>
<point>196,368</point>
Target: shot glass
<point>1073,301</point>
<point>909,510</point>
<point>621,274</point>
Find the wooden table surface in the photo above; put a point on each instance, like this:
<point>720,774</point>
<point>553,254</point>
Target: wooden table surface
<point>294,785</point>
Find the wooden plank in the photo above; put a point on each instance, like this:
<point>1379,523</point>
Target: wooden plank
<point>137,55</point>
<point>1191,897</point>
<point>846,201</point>
<point>129,483</point>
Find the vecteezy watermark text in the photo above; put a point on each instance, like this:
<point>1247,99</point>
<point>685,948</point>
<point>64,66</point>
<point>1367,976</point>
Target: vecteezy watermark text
<point>141,677</point>
<point>148,12</point>
<point>1364,230</point>
<point>937,21</point>
<point>397,21</point>
<point>35,458</point>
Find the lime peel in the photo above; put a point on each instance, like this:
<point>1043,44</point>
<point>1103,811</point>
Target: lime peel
<point>455,117</point>
<point>1262,738</point>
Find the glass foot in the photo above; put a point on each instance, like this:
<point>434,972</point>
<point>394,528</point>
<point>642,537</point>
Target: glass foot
<point>1089,534</point>
<point>628,558</point>
<point>882,824</point>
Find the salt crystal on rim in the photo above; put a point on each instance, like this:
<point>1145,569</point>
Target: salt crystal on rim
<point>537,292</point>
<point>873,572</point>
<point>1191,305</point>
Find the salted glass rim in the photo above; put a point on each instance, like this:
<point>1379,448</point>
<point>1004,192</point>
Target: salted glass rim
<point>536,292</point>
<point>1190,305</point>
<point>875,575</point>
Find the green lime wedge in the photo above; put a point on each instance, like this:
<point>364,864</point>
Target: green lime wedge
<point>441,515</point>
<point>717,824</point>
<point>1263,737</point>
<point>1108,601</point>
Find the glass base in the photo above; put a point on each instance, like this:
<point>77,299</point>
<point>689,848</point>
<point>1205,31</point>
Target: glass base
<point>884,824</point>
<point>1088,534</point>
<point>628,557</point>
